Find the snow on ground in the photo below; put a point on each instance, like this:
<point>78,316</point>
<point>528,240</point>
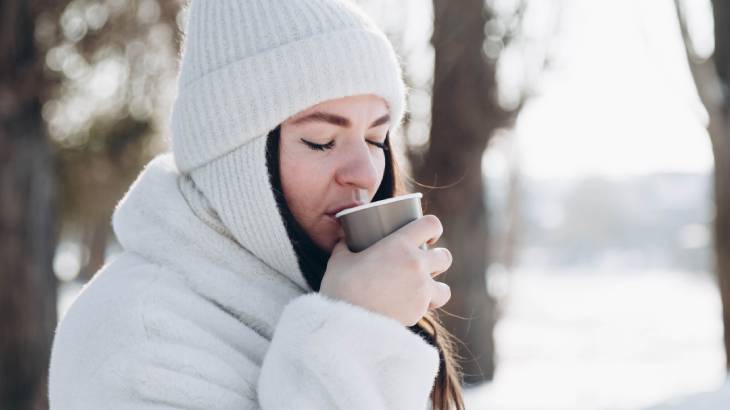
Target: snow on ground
<point>711,400</point>
<point>589,340</point>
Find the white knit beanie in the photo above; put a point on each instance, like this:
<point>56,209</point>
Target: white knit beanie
<point>247,66</point>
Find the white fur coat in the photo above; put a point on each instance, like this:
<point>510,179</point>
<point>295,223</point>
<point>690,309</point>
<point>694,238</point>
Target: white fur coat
<point>186,318</point>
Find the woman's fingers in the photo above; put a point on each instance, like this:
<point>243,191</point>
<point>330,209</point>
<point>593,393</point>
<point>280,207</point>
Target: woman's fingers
<point>440,260</point>
<point>425,229</point>
<point>441,294</point>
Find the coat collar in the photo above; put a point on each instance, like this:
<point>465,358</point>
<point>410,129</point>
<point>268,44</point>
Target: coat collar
<point>166,218</point>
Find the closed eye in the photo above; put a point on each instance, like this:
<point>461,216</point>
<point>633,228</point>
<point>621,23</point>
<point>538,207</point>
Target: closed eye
<point>319,147</point>
<point>331,144</point>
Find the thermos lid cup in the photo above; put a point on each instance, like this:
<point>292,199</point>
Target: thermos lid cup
<point>366,224</point>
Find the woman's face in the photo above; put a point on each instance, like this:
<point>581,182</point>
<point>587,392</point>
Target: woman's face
<point>327,153</point>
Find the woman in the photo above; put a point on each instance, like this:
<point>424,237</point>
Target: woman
<point>235,289</point>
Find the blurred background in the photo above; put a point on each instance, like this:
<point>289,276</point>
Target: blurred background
<point>577,152</point>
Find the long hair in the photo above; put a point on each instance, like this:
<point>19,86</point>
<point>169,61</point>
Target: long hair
<point>446,393</point>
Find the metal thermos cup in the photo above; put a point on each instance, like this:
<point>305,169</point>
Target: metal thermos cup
<point>366,224</point>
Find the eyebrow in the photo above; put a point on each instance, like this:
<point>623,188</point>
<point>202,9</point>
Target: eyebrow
<point>334,119</point>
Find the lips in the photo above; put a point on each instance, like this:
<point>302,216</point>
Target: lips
<point>332,212</point>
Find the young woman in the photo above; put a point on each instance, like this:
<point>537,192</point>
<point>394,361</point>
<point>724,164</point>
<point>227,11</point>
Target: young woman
<point>235,289</point>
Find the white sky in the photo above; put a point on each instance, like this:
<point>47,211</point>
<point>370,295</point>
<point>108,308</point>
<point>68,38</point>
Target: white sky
<point>621,99</point>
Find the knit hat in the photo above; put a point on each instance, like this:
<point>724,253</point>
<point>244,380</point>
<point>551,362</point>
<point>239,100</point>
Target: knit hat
<point>247,66</point>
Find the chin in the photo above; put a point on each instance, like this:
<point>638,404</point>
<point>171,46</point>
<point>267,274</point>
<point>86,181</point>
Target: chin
<point>323,241</point>
<point>328,246</point>
<point>326,239</point>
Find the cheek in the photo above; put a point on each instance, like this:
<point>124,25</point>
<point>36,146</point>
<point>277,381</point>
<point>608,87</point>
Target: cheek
<point>306,180</point>
<point>380,166</point>
<point>303,182</point>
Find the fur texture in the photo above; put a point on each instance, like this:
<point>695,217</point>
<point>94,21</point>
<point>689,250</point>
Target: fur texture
<point>188,318</point>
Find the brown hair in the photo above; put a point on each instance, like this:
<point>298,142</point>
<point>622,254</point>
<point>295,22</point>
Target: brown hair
<point>446,393</point>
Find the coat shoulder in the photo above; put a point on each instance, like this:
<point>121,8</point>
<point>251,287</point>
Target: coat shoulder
<point>137,334</point>
<point>108,304</point>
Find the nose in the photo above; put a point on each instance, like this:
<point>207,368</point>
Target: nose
<point>358,168</point>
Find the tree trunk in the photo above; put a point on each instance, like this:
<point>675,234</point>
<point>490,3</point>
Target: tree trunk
<point>464,115</point>
<point>712,78</point>
<point>720,133</point>
<point>27,220</point>
<point>721,151</point>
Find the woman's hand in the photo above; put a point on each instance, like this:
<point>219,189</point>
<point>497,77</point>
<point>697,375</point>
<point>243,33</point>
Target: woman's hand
<point>393,277</point>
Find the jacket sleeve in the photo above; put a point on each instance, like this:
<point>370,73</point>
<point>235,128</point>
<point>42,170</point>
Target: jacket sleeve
<point>329,354</point>
<point>324,354</point>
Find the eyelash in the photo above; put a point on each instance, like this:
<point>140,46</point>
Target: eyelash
<point>329,145</point>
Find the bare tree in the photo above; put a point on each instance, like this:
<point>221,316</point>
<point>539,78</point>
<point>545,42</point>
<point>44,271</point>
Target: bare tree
<point>27,218</point>
<point>48,51</point>
<point>465,113</point>
<point>712,77</point>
